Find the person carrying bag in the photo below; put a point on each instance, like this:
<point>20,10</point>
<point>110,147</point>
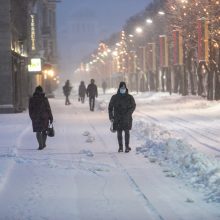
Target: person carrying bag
<point>41,115</point>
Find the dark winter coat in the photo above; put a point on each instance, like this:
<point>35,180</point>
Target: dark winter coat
<point>120,110</point>
<point>67,89</point>
<point>82,90</point>
<point>40,112</point>
<point>92,90</point>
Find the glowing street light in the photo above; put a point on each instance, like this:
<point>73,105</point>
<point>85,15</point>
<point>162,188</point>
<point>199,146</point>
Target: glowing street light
<point>161,12</point>
<point>115,53</point>
<point>50,73</point>
<point>149,21</point>
<point>139,30</point>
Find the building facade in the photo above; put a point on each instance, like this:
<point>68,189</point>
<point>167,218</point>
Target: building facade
<point>43,43</point>
<point>13,53</point>
<point>27,30</point>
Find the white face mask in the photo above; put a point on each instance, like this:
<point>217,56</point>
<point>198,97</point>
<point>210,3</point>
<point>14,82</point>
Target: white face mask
<point>122,90</point>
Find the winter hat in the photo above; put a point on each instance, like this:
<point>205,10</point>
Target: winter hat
<point>39,89</point>
<point>92,80</point>
<point>122,84</point>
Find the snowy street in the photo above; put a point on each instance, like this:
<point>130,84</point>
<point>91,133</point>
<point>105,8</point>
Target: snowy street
<point>172,172</point>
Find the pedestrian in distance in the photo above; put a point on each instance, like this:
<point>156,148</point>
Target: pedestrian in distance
<point>41,115</point>
<point>82,91</point>
<point>104,86</point>
<point>66,91</point>
<point>92,93</point>
<point>120,109</point>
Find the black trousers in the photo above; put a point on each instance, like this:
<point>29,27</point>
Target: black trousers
<point>67,102</point>
<point>91,103</point>
<point>120,138</point>
<point>82,99</point>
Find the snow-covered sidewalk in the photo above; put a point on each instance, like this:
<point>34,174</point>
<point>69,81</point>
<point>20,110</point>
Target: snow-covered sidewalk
<point>80,175</point>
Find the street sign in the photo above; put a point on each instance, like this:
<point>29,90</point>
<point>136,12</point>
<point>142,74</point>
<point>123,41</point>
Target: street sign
<point>35,65</point>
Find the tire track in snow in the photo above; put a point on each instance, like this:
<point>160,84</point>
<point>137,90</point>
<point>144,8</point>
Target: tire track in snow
<point>12,158</point>
<point>135,187</point>
<point>184,122</point>
<point>95,173</point>
<point>211,131</point>
<point>147,204</point>
<point>174,119</point>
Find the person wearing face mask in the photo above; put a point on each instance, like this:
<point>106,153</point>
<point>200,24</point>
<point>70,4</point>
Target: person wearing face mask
<point>120,109</point>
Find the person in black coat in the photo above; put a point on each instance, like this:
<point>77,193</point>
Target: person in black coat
<point>82,91</point>
<point>66,91</point>
<point>120,109</point>
<point>92,92</point>
<point>41,115</point>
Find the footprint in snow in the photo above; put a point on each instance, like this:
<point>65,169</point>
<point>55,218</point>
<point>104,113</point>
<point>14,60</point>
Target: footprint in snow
<point>86,133</point>
<point>90,139</point>
<point>88,153</point>
<point>152,159</point>
<point>166,170</point>
<point>189,200</point>
<point>172,174</point>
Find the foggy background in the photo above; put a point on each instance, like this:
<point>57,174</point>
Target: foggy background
<point>82,24</point>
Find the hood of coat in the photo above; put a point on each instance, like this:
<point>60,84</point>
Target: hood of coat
<point>39,94</point>
<point>122,85</point>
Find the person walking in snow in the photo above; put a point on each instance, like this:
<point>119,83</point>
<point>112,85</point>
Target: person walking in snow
<point>92,93</point>
<point>41,115</point>
<point>66,91</point>
<point>104,86</point>
<point>82,91</point>
<point>120,109</point>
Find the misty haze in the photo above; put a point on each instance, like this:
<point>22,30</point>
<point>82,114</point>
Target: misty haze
<point>109,110</point>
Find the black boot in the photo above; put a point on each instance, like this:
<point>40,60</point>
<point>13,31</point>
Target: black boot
<point>127,149</point>
<point>120,149</point>
<point>40,140</point>
<point>44,138</point>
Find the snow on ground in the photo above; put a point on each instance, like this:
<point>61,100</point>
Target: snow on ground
<point>178,132</point>
<point>172,172</point>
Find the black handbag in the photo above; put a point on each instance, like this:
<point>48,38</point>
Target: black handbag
<point>50,130</point>
<point>112,127</point>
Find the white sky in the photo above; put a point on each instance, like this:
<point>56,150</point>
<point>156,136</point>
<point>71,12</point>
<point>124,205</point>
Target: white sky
<point>106,16</point>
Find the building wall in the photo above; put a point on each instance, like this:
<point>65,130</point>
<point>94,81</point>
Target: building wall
<point>16,51</point>
<point>13,52</point>
<point>45,33</point>
<point>6,86</point>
